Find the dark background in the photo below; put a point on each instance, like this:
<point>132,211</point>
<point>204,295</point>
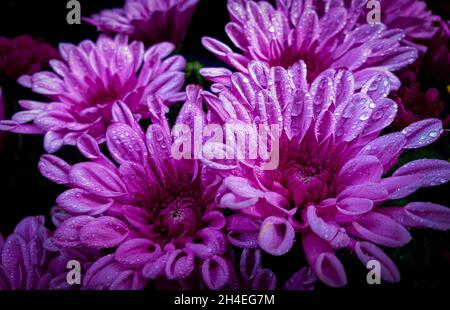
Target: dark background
<point>424,263</point>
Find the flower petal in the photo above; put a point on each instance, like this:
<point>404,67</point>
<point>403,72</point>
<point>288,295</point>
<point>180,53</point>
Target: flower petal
<point>97,179</point>
<point>381,229</point>
<point>215,272</point>
<point>103,232</point>
<point>276,236</point>
<point>138,252</point>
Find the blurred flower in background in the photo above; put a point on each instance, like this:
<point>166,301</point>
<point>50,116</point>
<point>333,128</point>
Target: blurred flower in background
<point>435,64</point>
<point>424,83</point>
<point>148,21</point>
<point>23,55</point>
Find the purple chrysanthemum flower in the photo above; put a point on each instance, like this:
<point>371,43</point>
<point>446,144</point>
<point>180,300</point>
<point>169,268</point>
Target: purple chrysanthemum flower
<point>23,55</point>
<point>156,214</point>
<point>329,190</point>
<point>91,78</point>
<point>323,34</point>
<point>148,21</point>
<point>28,261</point>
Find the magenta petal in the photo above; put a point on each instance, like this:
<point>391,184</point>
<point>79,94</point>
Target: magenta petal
<point>88,146</point>
<point>122,114</point>
<point>215,272</point>
<point>103,232</point>
<point>276,236</point>
<point>216,47</point>
<point>180,264</point>
<point>53,120</point>
<point>136,216</point>
<point>128,280</point>
<point>53,141</point>
<point>304,279</point>
<point>381,229</point>
<point>106,273</point>
<point>329,270</point>
<point>216,75</point>
<point>125,144</point>
<point>214,219</point>
<point>322,260</point>
<point>422,133</point>
<point>97,179</point>
<point>54,168</point>
<point>354,206</point>
<point>208,242</point>
<point>382,116</point>
<point>234,202</point>
<point>138,252</point>
<point>371,191</point>
<point>367,251</point>
<point>328,231</point>
<point>277,200</point>
<point>154,269</point>
<point>78,201</point>
<point>67,234</point>
<point>430,215</point>
<point>359,170</point>
<point>264,279</point>
<point>386,148</point>
<point>136,179</point>
<point>415,174</point>
<point>14,255</point>
<point>242,187</point>
<point>243,239</point>
<point>250,262</point>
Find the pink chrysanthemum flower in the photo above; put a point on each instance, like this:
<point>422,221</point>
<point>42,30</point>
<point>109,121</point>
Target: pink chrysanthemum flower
<point>148,21</point>
<point>330,190</point>
<point>323,34</point>
<point>155,213</point>
<point>23,55</point>
<point>28,260</point>
<point>91,77</point>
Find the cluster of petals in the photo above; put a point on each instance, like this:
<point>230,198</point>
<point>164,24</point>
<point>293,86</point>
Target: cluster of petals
<point>28,260</point>
<point>91,77</point>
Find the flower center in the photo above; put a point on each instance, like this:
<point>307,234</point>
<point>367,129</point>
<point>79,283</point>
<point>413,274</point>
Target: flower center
<point>177,212</point>
<point>306,182</point>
